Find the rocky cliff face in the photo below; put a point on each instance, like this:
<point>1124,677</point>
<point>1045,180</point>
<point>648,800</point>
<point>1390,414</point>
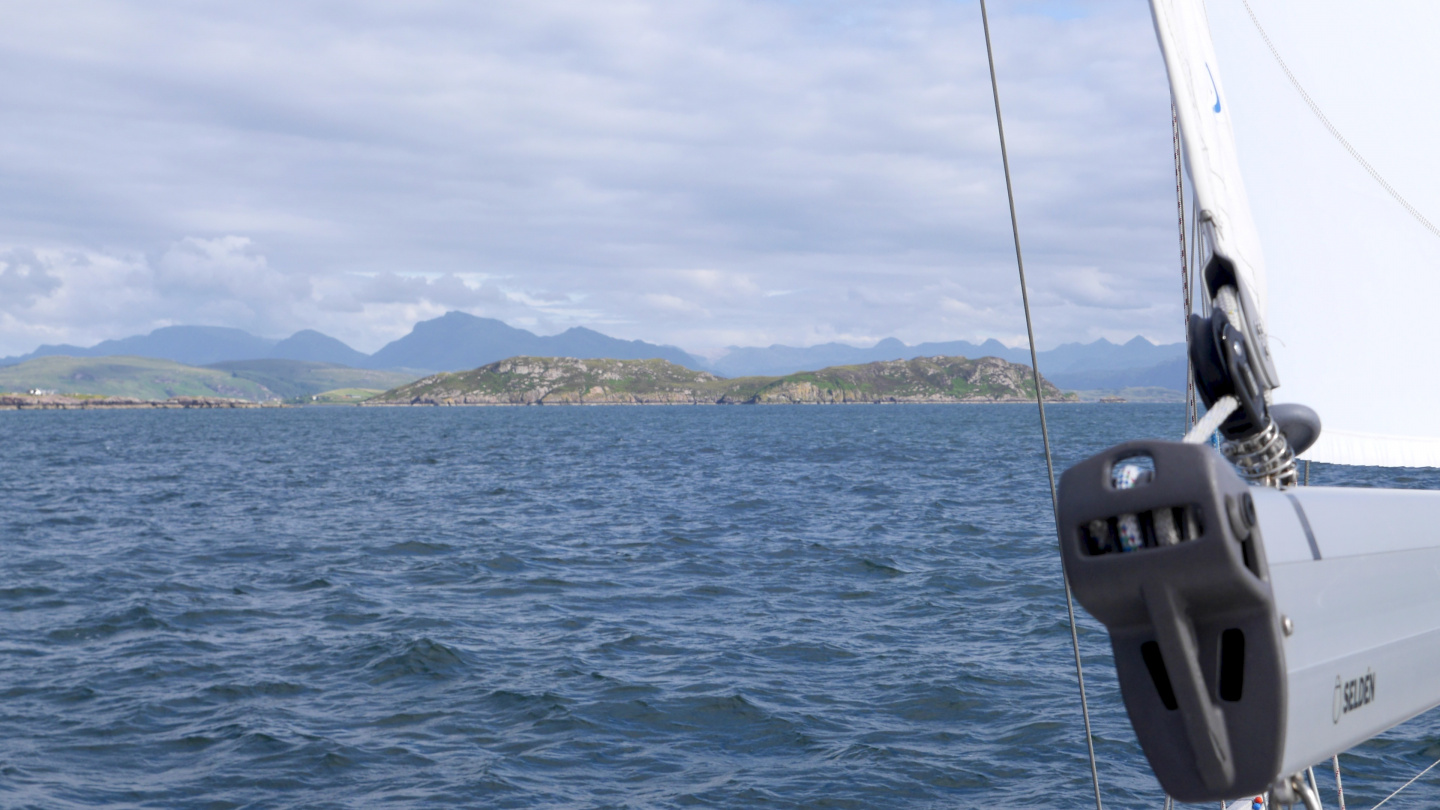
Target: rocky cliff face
<point>569,381</point>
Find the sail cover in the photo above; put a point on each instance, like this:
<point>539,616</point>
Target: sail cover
<point>1348,284</point>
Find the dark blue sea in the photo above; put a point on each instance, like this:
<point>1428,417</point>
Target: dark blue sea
<point>737,607</point>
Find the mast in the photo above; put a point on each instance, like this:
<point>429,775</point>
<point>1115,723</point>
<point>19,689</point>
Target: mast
<point>1259,628</point>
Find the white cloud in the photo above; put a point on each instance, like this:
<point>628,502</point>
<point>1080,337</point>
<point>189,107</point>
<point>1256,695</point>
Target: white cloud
<point>300,165</point>
<point>225,280</point>
<point>672,303</point>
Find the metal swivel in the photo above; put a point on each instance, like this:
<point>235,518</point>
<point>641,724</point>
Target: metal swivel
<point>1256,442</point>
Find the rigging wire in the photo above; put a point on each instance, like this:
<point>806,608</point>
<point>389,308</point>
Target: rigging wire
<point>1184,266</point>
<point>1315,108</point>
<point>1040,399</point>
<point>1195,258</point>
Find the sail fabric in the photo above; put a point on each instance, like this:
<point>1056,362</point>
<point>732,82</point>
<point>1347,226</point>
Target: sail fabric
<point>1352,308</point>
<point>1205,119</point>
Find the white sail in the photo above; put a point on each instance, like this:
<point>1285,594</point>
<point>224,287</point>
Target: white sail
<point>1353,301</point>
<point>1205,120</point>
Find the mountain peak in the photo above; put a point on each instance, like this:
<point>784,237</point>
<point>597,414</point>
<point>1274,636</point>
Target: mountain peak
<point>583,330</point>
<point>316,347</point>
<point>459,341</point>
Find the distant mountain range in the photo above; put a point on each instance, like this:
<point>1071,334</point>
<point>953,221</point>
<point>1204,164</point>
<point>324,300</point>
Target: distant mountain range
<point>457,341</point>
<point>452,342</point>
<point>1072,366</point>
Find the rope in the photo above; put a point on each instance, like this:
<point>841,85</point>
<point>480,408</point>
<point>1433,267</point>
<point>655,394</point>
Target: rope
<point>1339,788</point>
<point>1221,411</point>
<point>1407,784</point>
<point>1184,266</point>
<point>1315,108</point>
<point>1040,400</point>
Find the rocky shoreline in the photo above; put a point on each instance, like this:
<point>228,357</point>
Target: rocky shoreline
<point>54,402</point>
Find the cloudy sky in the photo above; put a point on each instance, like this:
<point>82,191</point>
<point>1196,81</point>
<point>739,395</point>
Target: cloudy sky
<point>704,173</point>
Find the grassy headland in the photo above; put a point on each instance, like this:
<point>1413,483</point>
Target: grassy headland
<point>299,379</point>
<point>140,378</point>
<point>148,379</point>
<point>568,381</point>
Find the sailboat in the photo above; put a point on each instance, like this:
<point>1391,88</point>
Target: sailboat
<point>1260,627</point>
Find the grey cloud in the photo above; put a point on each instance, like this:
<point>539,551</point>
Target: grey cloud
<point>24,279</point>
<point>448,290</point>
<point>656,168</point>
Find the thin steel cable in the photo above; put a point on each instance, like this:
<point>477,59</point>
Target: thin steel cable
<point>1040,401</point>
<point>1192,399</point>
<point>1184,267</point>
<point>1412,779</point>
<point>1315,108</point>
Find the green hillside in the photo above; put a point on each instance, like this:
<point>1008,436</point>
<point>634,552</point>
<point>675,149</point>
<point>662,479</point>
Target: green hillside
<point>343,396</point>
<point>923,379</point>
<point>564,380</point>
<point>121,376</point>
<point>298,379</point>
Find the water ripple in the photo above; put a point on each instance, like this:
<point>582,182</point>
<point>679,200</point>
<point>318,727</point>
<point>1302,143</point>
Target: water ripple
<point>550,607</point>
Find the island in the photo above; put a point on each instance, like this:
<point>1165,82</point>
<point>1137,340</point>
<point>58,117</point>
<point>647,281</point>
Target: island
<point>571,381</point>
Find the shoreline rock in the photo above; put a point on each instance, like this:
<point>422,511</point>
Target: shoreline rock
<point>55,402</point>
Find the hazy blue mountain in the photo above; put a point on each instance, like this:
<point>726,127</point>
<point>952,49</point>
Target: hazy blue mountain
<point>990,348</point>
<point>773,361</point>
<point>301,378</point>
<point>203,345</point>
<point>315,347</point>
<point>1071,366</point>
<point>191,345</point>
<point>1136,354</point>
<point>1169,374</point>
<point>777,360</point>
<point>46,350</point>
<point>584,344</point>
<point>456,341</point>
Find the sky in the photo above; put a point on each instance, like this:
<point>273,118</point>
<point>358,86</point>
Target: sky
<point>705,173</point>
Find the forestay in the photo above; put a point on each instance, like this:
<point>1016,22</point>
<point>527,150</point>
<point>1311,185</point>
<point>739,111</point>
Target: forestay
<point>1348,283</point>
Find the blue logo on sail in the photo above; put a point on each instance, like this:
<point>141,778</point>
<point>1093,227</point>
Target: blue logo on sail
<point>1213,87</point>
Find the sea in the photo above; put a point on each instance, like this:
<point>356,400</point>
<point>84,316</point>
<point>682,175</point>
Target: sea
<point>568,607</point>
